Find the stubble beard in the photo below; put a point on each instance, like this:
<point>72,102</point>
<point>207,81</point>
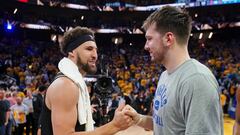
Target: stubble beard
<point>85,66</point>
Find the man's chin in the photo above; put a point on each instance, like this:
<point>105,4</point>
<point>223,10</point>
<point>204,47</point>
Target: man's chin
<point>153,60</point>
<point>92,71</point>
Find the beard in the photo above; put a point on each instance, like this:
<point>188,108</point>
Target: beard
<point>158,57</point>
<point>85,66</point>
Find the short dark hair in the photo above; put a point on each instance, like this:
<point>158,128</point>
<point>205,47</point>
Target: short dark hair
<point>89,84</point>
<point>72,35</point>
<point>42,88</point>
<point>171,19</point>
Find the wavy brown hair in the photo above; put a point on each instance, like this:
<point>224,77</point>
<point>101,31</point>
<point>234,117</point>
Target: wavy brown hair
<point>72,35</point>
<point>171,19</point>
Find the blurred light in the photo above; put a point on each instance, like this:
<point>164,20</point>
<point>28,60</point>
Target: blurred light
<point>155,7</point>
<point>206,27</point>
<point>237,24</point>
<point>82,17</point>
<point>200,35</point>
<point>53,37</point>
<point>234,24</point>
<point>137,31</point>
<point>191,34</point>
<point>210,35</point>
<point>130,44</point>
<point>34,26</point>
<point>90,79</point>
<point>129,31</point>
<point>9,26</point>
<point>76,6</point>
<point>24,1</point>
<point>15,11</point>
<point>61,29</point>
<point>107,31</point>
<point>140,8</point>
<point>196,27</point>
<point>196,15</point>
<point>116,41</point>
<point>68,28</point>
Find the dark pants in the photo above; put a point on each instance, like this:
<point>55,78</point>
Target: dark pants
<point>29,123</point>
<point>35,126</point>
<point>225,108</point>
<point>2,130</point>
<point>19,129</point>
<point>9,127</point>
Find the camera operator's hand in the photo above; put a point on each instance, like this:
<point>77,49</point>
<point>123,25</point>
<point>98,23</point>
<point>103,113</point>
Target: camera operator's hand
<point>121,120</point>
<point>94,106</point>
<point>128,110</point>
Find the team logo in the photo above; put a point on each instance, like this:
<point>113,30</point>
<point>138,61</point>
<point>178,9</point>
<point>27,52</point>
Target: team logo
<point>160,97</point>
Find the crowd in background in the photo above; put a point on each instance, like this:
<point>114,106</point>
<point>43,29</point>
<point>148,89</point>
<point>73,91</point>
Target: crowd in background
<point>27,67</point>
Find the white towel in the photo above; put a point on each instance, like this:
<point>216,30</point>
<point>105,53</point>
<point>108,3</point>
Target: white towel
<point>70,69</point>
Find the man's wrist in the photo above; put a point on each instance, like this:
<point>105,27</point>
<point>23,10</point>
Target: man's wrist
<point>115,128</point>
<point>140,119</point>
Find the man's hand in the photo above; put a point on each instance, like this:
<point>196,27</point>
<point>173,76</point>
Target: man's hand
<point>39,131</point>
<point>93,107</point>
<point>121,120</point>
<point>128,110</point>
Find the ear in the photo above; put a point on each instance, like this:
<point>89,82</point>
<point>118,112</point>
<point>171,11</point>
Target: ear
<point>71,54</point>
<point>169,39</point>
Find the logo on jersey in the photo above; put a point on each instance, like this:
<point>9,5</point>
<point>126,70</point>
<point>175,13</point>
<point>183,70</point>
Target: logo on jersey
<point>160,97</point>
<point>159,101</point>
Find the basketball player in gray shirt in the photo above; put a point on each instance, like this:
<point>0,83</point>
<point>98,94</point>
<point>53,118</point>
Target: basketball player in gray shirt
<point>186,101</point>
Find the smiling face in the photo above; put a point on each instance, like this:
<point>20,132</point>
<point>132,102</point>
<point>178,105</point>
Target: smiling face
<point>86,57</point>
<point>155,45</point>
<point>166,28</point>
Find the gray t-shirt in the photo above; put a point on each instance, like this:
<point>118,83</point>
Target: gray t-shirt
<point>187,102</point>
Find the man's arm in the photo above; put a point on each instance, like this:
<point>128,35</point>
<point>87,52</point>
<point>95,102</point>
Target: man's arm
<point>237,122</point>
<point>140,120</point>
<point>7,117</point>
<point>200,106</point>
<point>119,122</point>
<point>7,113</point>
<point>62,98</point>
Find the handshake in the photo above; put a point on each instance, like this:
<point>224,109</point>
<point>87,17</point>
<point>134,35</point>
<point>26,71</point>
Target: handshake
<point>125,116</point>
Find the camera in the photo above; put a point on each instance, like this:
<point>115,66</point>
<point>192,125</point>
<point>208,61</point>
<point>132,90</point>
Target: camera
<point>104,87</point>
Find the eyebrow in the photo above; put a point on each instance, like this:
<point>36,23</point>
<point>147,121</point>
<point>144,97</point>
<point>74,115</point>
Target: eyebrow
<point>147,36</point>
<point>91,46</point>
